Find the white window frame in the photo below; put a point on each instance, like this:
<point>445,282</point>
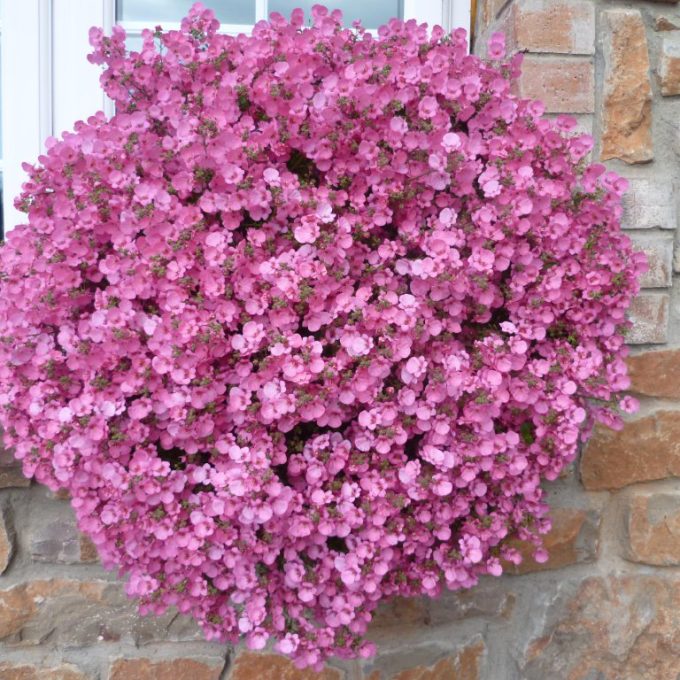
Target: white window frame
<point>47,83</point>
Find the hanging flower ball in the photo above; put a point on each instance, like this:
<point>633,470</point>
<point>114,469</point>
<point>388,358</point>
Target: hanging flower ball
<point>305,324</point>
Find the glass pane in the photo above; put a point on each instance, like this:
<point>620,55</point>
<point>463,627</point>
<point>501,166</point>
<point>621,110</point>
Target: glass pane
<point>373,13</point>
<point>159,11</point>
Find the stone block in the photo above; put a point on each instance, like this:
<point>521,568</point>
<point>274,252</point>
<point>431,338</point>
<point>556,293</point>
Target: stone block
<point>607,628</point>
<point>33,672</point>
<point>645,449</point>
<point>563,84</point>
<point>172,669</point>
<point>655,374</point>
<point>669,65</point>
<point>652,529</point>
<point>659,252</point>
<point>649,314</point>
<point>75,614</point>
<point>649,204</point>
<point>253,666</point>
<point>573,539</point>
<point>627,105</point>
<point>554,26</point>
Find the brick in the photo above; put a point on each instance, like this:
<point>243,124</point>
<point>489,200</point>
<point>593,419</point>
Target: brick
<point>605,628</point>
<point>649,313</point>
<point>655,374</point>
<point>252,666</point>
<point>31,672</point>
<point>75,613</point>
<point>645,449</point>
<point>659,252</point>
<point>573,539</point>
<point>6,540</point>
<point>555,26</point>
<point>563,84</point>
<point>652,529</point>
<point>669,65</point>
<point>173,669</point>
<point>60,542</point>
<point>627,110</point>
<point>649,204</point>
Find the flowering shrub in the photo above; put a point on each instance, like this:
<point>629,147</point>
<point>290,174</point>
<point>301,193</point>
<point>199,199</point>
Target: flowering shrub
<point>304,326</point>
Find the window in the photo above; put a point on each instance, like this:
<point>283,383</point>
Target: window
<point>47,83</point>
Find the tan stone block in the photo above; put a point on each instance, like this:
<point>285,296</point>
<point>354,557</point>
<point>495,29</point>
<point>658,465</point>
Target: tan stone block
<point>609,628</point>
<point>252,666</point>
<point>645,449</point>
<point>31,672</point>
<point>6,540</point>
<point>563,84</point>
<point>666,24</point>
<point>652,527</point>
<point>10,471</point>
<point>627,110</point>
<point>659,252</point>
<point>655,374</point>
<point>649,314</point>
<point>649,203</point>
<point>573,539</point>
<point>555,26</point>
<point>465,664</point>
<point>669,65</point>
<point>77,614</point>
<point>173,669</point>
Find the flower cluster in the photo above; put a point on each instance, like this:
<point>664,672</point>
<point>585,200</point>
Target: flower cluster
<point>306,323</point>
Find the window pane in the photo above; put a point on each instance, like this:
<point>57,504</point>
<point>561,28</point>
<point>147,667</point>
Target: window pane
<point>373,13</point>
<point>155,11</point>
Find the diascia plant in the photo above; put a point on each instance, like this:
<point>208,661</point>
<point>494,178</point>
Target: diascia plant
<point>306,323</point>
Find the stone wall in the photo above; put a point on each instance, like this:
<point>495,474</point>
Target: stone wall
<point>606,606</point>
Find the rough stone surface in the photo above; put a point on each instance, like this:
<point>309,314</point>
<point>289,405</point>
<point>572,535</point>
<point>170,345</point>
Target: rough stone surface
<point>656,374</point>
<point>627,111</point>
<point>647,448</point>
<point>175,669</point>
<point>573,539</point>
<point>659,252</point>
<point>61,542</point>
<point>615,628</point>
<point>431,663</point>
<point>487,11</point>
<point>669,65</point>
<point>652,529</point>
<point>252,666</point>
<point>79,613</point>
<point>649,204</point>
<point>563,84</point>
<point>649,313</point>
<point>10,471</point>
<point>490,600</point>
<point>6,539</point>
<point>463,666</point>
<point>31,672</point>
<point>666,24</point>
<point>554,26</point>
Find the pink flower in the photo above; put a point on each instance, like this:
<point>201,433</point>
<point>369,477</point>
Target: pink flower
<point>312,333</point>
<point>308,230</point>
